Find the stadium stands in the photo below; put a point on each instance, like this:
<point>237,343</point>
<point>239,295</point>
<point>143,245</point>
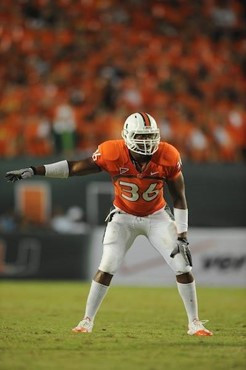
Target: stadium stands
<point>71,71</point>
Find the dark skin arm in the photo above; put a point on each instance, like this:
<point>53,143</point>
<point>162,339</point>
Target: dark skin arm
<point>176,188</point>
<point>76,168</point>
<point>84,167</point>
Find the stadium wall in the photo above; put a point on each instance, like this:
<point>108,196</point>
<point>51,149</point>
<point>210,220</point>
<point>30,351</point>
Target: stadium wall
<point>43,256</point>
<point>219,258</point>
<point>215,192</point>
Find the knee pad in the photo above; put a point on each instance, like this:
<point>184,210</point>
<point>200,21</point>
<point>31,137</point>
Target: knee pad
<point>111,259</point>
<point>179,266</point>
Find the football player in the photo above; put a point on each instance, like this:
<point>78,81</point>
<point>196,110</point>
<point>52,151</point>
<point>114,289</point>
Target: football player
<point>139,165</point>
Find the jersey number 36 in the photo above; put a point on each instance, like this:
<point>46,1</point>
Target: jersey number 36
<point>132,192</point>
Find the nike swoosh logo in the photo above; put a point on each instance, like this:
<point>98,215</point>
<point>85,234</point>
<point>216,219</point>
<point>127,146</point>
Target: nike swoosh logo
<point>154,173</point>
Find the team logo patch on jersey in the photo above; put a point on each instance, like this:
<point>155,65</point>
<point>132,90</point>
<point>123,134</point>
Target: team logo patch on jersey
<point>95,155</point>
<point>123,170</point>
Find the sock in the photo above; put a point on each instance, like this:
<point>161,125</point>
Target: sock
<point>188,295</point>
<point>95,298</point>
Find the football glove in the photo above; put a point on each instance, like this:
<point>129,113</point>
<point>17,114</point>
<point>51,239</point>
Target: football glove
<point>24,173</point>
<point>183,249</point>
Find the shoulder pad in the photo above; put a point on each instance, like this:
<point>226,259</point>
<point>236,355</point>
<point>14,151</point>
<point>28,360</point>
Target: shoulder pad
<point>166,155</point>
<point>110,150</point>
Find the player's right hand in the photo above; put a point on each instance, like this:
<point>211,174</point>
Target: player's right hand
<point>24,173</point>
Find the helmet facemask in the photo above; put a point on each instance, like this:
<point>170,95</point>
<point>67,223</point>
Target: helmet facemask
<point>141,133</point>
<point>137,143</point>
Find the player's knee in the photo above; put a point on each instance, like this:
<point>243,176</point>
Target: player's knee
<point>111,259</point>
<point>184,270</point>
<point>179,265</point>
<point>110,264</point>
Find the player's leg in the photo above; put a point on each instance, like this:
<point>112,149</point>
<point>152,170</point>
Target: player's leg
<point>117,240</point>
<point>163,237</point>
<point>187,290</point>
<point>98,290</point>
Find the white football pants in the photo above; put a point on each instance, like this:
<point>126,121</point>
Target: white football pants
<point>159,228</point>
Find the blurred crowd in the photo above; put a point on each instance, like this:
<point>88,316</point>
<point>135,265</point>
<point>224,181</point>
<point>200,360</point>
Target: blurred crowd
<point>72,70</point>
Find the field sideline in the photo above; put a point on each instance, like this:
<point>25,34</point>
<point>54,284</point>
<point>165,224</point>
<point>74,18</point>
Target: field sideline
<point>136,328</point>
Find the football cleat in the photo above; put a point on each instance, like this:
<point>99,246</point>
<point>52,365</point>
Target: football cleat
<point>84,326</point>
<point>197,328</point>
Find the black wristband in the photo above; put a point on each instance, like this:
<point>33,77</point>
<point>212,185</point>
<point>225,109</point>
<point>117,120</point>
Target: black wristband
<point>34,170</point>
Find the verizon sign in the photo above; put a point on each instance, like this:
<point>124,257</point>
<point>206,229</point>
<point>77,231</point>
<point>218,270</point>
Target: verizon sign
<point>219,259</point>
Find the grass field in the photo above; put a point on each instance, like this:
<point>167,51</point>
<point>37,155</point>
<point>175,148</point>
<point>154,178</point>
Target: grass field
<point>136,328</point>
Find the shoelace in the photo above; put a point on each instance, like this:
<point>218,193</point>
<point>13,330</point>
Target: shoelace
<point>203,321</point>
<point>84,324</point>
<point>199,322</point>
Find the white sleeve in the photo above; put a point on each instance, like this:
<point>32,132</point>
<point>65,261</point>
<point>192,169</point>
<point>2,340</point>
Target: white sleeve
<point>58,170</point>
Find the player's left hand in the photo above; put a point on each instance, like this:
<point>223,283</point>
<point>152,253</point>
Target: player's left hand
<point>183,249</point>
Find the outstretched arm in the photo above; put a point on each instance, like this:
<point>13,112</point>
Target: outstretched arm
<point>62,169</point>
<point>84,167</point>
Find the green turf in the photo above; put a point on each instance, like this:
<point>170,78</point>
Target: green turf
<point>136,328</point>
